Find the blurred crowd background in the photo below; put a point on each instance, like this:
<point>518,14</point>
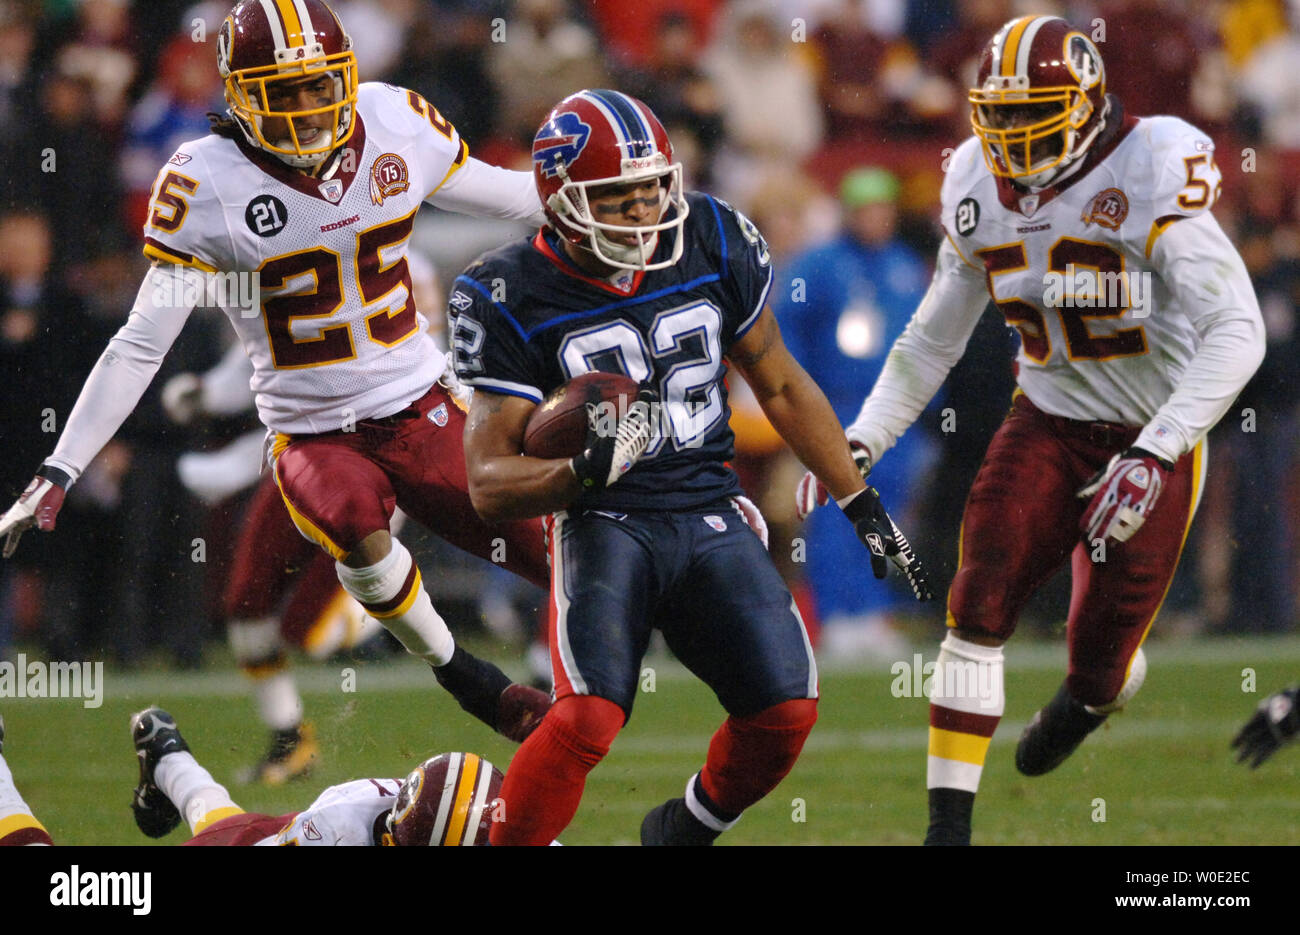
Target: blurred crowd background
<point>827,121</point>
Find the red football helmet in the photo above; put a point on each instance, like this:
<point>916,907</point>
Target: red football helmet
<point>596,138</point>
<point>265,41</point>
<point>1040,101</point>
<point>450,799</point>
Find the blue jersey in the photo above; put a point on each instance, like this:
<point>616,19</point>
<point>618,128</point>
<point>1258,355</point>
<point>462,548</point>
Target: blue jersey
<point>528,320</point>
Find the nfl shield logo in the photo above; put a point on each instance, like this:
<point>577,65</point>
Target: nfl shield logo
<point>716,522</point>
<point>439,415</point>
<point>332,190</point>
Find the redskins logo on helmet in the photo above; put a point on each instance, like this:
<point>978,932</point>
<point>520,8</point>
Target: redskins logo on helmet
<point>1040,101</point>
<point>448,800</point>
<point>263,42</point>
<point>596,138</point>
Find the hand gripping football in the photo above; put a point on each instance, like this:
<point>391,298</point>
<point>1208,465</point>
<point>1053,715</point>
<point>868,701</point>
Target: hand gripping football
<point>558,427</point>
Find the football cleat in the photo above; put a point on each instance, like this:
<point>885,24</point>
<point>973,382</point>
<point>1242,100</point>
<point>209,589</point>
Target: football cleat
<point>1055,732</point>
<point>448,800</point>
<point>673,825</point>
<point>293,754</point>
<point>154,733</point>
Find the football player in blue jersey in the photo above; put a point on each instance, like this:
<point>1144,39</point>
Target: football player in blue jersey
<point>634,275</point>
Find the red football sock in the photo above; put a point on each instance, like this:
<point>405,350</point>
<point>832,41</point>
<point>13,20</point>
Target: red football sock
<point>749,756</point>
<point>544,783</point>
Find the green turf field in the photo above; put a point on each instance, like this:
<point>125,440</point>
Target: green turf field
<point>1163,769</point>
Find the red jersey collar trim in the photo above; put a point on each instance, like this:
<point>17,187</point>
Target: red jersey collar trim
<point>1010,193</point>
<point>301,181</point>
<point>566,265</point>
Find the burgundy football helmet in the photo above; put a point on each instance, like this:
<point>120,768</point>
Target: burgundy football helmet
<point>265,41</point>
<point>1040,100</point>
<point>450,799</point>
<point>596,138</point>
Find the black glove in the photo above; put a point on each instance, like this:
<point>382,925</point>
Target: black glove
<point>610,455</point>
<point>1274,724</point>
<point>884,540</point>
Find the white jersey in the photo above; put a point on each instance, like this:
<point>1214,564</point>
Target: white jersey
<point>1117,281</point>
<point>342,816</point>
<point>336,334</point>
<point>331,329</point>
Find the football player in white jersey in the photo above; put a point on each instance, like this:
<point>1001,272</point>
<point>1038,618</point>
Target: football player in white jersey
<point>1091,230</point>
<point>294,216</point>
<point>448,799</point>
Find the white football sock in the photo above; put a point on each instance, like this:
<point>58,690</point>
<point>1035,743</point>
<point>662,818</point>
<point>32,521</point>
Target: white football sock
<point>191,788</point>
<point>414,621</point>
<point>278,701</point>
<point>11,803</point>
<point>967,699</point>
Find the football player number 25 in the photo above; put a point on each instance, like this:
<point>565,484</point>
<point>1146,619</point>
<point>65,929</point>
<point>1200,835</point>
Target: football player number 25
<point>374,279</point>
<point>687,340</point>
<point>1066,255</point>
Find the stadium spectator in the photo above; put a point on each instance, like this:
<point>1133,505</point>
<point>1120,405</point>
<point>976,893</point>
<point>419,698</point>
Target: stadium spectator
<point>841,307</point>
<point>545,55</point>
<point>768,91</point>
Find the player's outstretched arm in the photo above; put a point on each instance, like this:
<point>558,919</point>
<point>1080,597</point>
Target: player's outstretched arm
<point>801,414</point>
<point>796,406</point>
<point>504,484</point>
<point>109,395</point>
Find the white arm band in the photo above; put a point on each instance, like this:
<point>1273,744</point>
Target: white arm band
<point>125,369</point>
<point>1212,288</point>
<point>489,191</point>
<point>931,345</point>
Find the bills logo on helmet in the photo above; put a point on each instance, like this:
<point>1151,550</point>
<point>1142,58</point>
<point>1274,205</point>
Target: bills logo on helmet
<point>562,146</point>
<point>1083,60</point>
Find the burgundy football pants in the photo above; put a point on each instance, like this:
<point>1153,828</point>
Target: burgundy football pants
<point>1022,522</point>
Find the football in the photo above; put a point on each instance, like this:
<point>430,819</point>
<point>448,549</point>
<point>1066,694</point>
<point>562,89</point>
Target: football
<point>558,427</point>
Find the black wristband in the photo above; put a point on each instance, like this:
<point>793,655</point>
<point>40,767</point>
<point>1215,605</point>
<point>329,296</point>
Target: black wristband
<point>55,475</point>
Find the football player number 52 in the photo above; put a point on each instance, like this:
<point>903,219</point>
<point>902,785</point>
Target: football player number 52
<point>1080,342</point>
<point>374,280</point>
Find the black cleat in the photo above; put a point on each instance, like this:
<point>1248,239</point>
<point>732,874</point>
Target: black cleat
<point>950,815</point>
<point>293,753</point>
<point>673,825</point>
<point>155,735</point>
<point>1055,732</point>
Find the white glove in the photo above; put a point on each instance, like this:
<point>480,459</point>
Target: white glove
<point>182,397</point>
